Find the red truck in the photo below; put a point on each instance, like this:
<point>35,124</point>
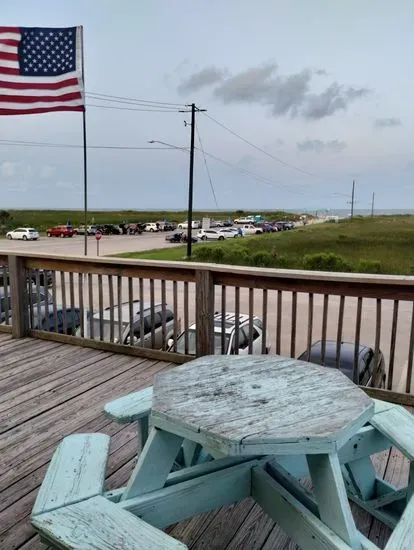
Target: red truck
<point>60,231</point>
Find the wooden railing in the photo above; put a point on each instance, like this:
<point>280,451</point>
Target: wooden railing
<point>295,308</point>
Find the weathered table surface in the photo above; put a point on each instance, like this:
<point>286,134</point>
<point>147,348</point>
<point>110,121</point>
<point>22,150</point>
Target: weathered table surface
<point>249,405</point>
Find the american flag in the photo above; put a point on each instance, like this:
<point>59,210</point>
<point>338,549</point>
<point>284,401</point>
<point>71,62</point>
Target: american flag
<point>40,70</point>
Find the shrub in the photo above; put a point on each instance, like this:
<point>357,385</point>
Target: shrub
<point>217,254</point>
<point>369,266</point>
<point>262,259</point>
<point>202,253</point>
<point>281,261</point>
<point>237,255</point>
<point>326,261</point>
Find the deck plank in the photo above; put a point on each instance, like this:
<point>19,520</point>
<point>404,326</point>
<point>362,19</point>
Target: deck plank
<point>49,390</point>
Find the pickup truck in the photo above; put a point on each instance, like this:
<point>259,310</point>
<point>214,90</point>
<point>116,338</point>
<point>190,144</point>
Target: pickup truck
<point>249,229</point>
<point>60,231</point>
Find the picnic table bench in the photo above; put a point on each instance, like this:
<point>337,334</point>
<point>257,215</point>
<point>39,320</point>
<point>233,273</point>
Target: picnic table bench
<point>268,421</point>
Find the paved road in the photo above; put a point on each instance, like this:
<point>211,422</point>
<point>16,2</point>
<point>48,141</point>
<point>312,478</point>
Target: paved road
<point>124,243</point>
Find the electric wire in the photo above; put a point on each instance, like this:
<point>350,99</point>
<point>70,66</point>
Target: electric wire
<point>207,169</point>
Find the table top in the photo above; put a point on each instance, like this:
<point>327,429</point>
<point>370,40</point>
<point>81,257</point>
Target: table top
<point>267,404</point>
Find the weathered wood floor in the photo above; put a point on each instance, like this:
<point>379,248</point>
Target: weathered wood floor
<point>49,390</point>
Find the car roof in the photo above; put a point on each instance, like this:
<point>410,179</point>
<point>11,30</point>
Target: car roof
<point>125,310</point>
<point>229,322</point>
<point>347,353</point>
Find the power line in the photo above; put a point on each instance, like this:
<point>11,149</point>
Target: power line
<point>263,150</point>
<point>109,97</point>
<point>207,169</point>
<point>155,110</point>
<point>74,146</point>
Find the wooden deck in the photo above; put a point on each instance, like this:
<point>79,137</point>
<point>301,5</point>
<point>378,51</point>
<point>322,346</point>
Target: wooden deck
<point>49,390</point>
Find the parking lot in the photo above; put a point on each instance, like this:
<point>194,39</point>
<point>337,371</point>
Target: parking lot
<point>109,244</point>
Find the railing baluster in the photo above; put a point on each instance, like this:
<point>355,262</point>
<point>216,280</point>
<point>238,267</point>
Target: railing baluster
<point>293,328</point>
<point>54,297</point>
<point>355,374</point>
<point>152,312</point>
<point>392,346</point>
<point>81,305</point>
<point>410,356</point>
<point>279,322</point>
<point>186,317</point>
<point>237,319</point>
<point>111,308</point>
<point>163,315</point>
<point>175,307</point>
<point>72,302</point>
<point>100,302</point>
<point>91,309</point>
<point>264,320</point>
<point>120,321</point>
<point>131,310</point>
<point>251,307</point>
<point>39,309</point>
<point>223,319</point>
<point>63,290</point>
<point>377,332</point>
<point>6,283</point>
<point>310,326</point>
<point>324,327</point>
<point>141,313</point>
<point>339,331</point>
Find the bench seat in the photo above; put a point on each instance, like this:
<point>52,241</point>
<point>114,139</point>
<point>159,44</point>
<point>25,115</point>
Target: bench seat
<point>76,472</point>
<point>131,407</point>
<point>97,523</point>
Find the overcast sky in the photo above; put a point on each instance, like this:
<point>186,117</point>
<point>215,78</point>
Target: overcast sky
<point>324,87</point>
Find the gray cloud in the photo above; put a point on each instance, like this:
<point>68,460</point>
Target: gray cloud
<point>387,122</point>
<point>201,79</point>
<point>285,94</point>
<point>317,146</point>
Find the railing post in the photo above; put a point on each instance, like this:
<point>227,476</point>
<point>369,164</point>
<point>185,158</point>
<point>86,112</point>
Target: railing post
<point>204,313</point>
<point>18,297</point>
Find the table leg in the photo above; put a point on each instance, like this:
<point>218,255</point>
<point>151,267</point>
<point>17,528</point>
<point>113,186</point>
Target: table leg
<point>330,493</point>
<point>154,463</point>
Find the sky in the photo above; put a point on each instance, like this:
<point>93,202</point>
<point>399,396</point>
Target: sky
<point>320,93</point>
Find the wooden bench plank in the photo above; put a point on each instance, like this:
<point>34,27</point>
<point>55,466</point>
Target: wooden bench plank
<point>397,425</point>
<point>76,472</point>
<point>402,537</point>
<point>131,407</point>
<point>98,523</point>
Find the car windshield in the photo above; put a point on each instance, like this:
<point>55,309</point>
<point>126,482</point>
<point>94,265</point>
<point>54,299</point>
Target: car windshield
<point>192,343</point>
<point>107,330</point>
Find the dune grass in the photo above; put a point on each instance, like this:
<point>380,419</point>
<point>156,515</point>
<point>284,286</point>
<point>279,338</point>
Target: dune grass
<point>369,245</point>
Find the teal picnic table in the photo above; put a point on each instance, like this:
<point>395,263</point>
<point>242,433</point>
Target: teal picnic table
<point>263,419</point>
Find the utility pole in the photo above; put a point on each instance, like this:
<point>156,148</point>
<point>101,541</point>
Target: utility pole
<point>352,199</point>
<point>372,205</point>
<point>193,111</point>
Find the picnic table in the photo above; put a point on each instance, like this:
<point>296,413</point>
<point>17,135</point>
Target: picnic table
<point>264,421</point>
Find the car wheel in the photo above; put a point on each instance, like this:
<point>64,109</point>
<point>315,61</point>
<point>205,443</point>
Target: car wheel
<point>24,238</point>
<point>62,235</point>
<point>221,238</point>
<point>204,238</point>
<point>258,232</point>
<point>9,237</point>
<point>151,230</point>
<point>49,234</point>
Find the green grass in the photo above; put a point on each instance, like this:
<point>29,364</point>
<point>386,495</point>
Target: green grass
<point>173,254</point>
<point>382,245</point>
<point>42,219</point>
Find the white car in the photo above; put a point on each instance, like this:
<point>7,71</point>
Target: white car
<point>229,336</point>
<point>229,232</point>
<point>151,227</point>
<point>195,224</point>
<point>23,233</point>
<point>247,219</point>
<point>214,235</point>
<point>249,229</point>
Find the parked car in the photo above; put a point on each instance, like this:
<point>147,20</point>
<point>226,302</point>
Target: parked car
<point>230,231</point>
<point>369,374</point>
<point>109,229</point>
<point>60,231</point>
<point>229,336</point>
<point>90,230</point>
<point>175,237</point>
<point>194,225</point>
<point>121,314</point>
<point>40,316</point>
<point>23,233</point>
<point>250,229</point>
<point>244,219</point>
<point>35,299</point>
<point>212,234</point>
<point>44,275</point>
<point>151,227</point>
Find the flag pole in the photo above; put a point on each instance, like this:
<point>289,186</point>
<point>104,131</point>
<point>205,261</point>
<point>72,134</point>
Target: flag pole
<point>85,156</point>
